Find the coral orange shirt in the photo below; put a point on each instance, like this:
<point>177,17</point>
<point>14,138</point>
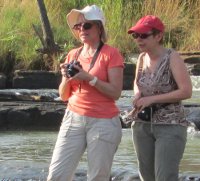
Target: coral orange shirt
<point>90,102</point>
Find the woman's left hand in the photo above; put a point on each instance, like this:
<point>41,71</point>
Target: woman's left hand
<point>143,102</point>
<point>82,75</point>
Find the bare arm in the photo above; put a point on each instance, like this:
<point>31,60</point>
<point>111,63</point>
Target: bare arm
<point>135,88</point>
<point>137,93</point>
<point>182,79</point>
<point>64,87</point>
<point>112,88</point>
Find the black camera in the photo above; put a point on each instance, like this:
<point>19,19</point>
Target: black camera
<point>71,71</point>
<point>147,113</point>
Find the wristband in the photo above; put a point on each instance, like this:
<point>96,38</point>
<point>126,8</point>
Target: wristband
<point>93,81</point>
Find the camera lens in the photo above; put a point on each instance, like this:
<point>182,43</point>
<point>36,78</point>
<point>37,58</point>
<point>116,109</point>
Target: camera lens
<point>71,71</point>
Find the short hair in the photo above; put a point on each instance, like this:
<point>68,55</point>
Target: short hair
<point>155,32</point>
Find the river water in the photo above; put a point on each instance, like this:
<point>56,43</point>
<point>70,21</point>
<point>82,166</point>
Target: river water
<point>26,155</point>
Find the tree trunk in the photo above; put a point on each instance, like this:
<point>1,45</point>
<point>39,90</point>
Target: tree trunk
<point>48,38</point>
<point>50,49</point>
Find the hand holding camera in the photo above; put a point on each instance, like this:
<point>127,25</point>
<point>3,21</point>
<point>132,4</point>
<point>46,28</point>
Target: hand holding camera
<point>145,114</point>
<point>132,113</point>
<point>70,69</point>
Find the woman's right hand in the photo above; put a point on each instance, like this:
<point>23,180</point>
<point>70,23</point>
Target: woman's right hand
<point>64,87</point>
<point>136,98</point>
<point>133,113</point>
<point>63,70</point>
<point>135,108</point>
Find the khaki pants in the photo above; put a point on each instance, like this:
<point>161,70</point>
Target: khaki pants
<point>159,150</point>
<point>101,137</point>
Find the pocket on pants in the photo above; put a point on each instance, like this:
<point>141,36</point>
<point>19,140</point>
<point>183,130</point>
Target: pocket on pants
<point>110,131</point>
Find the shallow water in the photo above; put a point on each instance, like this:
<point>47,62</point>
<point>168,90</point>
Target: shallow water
<point>26,155</point>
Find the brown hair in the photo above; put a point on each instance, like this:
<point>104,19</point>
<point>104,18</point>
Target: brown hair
<point>103,36</point>
<point>156,32</point>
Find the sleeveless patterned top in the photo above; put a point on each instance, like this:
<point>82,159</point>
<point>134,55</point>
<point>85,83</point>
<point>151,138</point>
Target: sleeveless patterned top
<point>159,82</point>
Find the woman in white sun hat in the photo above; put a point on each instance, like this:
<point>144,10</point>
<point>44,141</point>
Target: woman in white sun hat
<point>91,87</point>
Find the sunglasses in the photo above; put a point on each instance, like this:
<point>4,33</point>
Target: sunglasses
<point>85,26</point>
<point>142,36</point>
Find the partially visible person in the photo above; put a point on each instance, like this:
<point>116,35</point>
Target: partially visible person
<point>161,83</point>
<point>91,120</point>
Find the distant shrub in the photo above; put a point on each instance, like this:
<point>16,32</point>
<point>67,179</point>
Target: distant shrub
<point>17,37</point>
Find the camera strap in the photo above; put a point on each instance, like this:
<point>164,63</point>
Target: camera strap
<point>94,58</point>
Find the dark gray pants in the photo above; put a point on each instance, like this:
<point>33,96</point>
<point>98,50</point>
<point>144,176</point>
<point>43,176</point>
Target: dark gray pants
<point>159,150</point>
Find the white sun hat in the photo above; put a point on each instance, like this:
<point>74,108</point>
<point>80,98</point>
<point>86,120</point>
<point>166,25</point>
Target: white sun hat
<point>92,12</point>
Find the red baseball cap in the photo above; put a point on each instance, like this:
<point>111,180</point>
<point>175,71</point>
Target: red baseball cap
<point>146,23</point>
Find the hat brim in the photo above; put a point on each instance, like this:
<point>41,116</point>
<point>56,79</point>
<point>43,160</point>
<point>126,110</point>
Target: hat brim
<point>72,19</point>
<point>139,29</point>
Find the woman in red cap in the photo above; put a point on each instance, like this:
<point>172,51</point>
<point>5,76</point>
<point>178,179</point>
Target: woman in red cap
<point>161,83</point>
<point>91,82</point>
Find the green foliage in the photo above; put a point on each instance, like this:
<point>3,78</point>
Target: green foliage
<point>17,37</point>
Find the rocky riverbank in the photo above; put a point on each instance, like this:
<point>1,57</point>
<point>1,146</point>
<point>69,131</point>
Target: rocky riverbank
<point>24,109</point>
<point>30,109</point>
<point>29,115</point>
